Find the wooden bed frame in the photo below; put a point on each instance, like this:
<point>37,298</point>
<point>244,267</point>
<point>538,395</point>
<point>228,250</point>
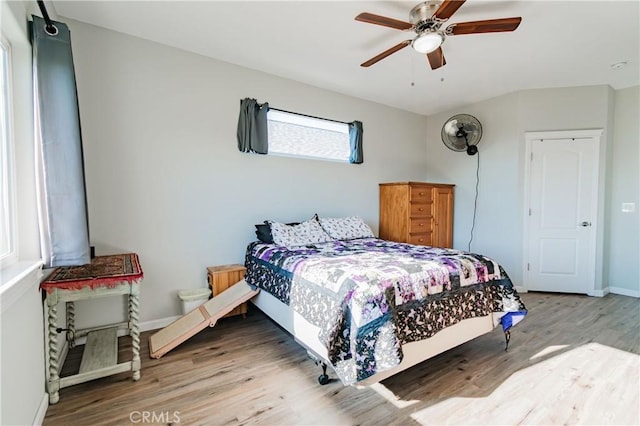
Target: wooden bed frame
<point>306,334</point>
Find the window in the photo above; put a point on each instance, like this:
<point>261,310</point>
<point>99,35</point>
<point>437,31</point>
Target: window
<point>7,214</point>
<point>309,137</point>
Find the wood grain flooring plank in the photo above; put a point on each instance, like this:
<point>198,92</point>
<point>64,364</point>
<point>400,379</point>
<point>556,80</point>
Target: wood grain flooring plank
<point>573,360</point>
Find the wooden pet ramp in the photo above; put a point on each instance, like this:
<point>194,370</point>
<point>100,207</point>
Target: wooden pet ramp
<point>197,320</point>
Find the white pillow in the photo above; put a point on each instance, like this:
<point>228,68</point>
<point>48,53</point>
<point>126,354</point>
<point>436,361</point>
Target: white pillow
<point>308,232</point>
<point>346,228</point>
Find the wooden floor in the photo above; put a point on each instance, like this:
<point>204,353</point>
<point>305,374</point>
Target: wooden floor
<point>573,360</point>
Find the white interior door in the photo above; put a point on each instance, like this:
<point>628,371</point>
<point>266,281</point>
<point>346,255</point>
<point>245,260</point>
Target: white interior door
<point>563,190</point>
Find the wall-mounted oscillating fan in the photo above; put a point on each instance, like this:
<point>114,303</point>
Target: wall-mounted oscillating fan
<point>462,132</point>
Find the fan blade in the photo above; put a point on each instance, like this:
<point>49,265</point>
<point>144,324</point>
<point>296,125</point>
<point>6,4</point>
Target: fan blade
<point>436,59</point>
<point>486,26</point>
<point>370,18</point>
<point>448,8</point>
<point>386,53</point>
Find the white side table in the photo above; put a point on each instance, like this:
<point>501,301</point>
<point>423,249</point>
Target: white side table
<point>113,275</point>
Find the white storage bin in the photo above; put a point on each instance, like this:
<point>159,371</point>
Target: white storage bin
<point>192,298</point>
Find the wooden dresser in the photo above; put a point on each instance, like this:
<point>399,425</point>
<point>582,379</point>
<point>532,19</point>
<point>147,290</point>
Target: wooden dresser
<point>417,213</point>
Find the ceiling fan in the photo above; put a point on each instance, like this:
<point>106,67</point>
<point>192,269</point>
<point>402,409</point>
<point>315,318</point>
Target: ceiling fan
<point>425,20</point>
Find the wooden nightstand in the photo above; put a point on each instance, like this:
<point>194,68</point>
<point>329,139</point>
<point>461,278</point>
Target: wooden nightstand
<point>221,278</point>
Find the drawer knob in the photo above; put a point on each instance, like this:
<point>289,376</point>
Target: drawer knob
<point>420,209</point>
<point>421,193</point>
<point>421,224</point>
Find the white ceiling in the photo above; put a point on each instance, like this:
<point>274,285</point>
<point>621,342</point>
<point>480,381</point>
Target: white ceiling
<point>558,44</point>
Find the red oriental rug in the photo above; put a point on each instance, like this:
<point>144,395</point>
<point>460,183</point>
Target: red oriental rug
<point>103,271</point>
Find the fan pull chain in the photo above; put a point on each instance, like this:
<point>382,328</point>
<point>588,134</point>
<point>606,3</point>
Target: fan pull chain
<point>413,71</point>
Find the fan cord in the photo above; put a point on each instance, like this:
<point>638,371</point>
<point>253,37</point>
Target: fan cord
<point>475,202</point>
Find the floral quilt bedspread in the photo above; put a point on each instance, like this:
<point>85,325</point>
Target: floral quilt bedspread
<point>369,296</point>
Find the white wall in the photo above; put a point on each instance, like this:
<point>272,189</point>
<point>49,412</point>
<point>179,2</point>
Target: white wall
<point>623,254</point>
<point>499,223</point>
<point>22,369</point>
<point>164,175</point>
<point>22,373</point>
<point>498,228</point>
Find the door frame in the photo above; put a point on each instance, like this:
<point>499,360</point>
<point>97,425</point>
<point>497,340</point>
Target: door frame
<point>594,287</point>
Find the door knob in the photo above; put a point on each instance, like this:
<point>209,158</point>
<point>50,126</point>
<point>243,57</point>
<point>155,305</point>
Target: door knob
<point>585,224</point>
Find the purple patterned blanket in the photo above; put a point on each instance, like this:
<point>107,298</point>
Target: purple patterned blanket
<point>369,296</point>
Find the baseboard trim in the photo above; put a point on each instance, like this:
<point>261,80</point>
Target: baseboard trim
<point>599,293</point>
<point>624,292</point>
<point>42,410</point>
<point>521,289</point>
<point>156,324</point>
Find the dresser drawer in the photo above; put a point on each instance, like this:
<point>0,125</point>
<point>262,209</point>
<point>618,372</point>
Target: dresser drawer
<point>419,194</point>
<point>420,225</point>
<point>420,210</point>
<point>420,239</point>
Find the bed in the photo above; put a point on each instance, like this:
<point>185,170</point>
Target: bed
<point>369,308</point>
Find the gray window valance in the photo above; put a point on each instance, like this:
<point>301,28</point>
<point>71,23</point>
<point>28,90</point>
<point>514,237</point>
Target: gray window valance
<point>252,126</point>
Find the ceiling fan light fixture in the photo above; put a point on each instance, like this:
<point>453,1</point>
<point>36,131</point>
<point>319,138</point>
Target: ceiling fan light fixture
<point>427,41</point>
<point>426,20</point>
